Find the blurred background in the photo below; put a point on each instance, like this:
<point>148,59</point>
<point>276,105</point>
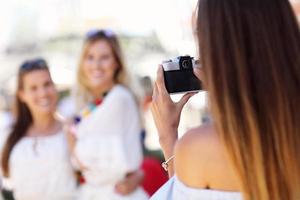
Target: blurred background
<point>150,31</point>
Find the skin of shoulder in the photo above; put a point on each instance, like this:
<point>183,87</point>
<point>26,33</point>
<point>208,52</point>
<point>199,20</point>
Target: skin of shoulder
<point>201,162</point>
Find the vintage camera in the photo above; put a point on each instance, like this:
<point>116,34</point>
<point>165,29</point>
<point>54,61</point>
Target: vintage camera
<point>179,76</point>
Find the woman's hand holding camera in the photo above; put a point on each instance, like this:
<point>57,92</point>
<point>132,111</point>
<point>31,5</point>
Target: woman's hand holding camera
<point>166,113</point>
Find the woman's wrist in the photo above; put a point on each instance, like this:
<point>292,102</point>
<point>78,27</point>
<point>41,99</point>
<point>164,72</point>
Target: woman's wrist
<point>168,148</point>
<point>168,144</point>
<point>168,136</point>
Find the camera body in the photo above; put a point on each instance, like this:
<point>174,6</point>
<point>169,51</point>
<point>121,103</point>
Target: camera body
<point>179,76</point>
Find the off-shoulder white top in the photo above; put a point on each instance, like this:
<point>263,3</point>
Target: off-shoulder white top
<point>174,189</point>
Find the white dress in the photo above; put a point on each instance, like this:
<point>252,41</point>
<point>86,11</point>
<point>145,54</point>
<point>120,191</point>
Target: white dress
<point>174,189</point>
<point>40,169</point>
<point>109,146</point>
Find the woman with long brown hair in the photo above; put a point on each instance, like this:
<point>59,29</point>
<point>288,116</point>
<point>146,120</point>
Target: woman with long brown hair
<point>250,66</point>
<point>34,156</point>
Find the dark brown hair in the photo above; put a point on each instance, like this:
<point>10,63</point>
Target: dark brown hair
<point>22,112</point>
<point>250,52</point>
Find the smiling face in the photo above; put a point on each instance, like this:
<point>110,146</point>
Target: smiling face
<point>38,92</point>
<point>99,65</point>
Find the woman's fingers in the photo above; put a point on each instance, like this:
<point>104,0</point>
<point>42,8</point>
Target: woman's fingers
<point>130,183</point>
<point>121,188</point>
<point>160,95</point>
<point>185,99</point>
<point>198,73</point>
<point>155,92</point>
<point>160,81</point>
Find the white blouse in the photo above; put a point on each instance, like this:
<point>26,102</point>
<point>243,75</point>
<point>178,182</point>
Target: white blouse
<point>109,145</point>
<point>40,169</point>
<point>174,189</point>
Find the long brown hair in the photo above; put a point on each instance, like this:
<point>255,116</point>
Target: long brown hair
<point>250,52</point>
<point>22,113</point>
<point>81,92</point>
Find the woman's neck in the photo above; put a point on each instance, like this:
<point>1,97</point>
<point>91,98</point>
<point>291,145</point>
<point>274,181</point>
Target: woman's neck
<point>43,125</point>
<point>100,91</point>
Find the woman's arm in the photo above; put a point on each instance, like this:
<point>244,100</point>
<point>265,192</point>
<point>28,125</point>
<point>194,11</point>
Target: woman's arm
<point>166,114</point>
<point>70,133</point>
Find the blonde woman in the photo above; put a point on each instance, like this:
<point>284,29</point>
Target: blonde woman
<point>249,53</point>
<point>106,147</point>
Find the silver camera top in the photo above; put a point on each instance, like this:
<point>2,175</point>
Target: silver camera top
<point>181,62</point>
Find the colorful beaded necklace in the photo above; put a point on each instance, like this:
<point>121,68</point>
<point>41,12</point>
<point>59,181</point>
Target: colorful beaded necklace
<point>88,109</point>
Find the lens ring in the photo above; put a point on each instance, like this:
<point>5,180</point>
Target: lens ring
<point>185,64</point>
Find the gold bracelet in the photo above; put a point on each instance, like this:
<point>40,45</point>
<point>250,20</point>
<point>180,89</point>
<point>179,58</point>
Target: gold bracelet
<point>165,164</point>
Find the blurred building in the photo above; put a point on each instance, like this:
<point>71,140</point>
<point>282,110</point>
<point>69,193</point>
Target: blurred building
<point>150,31</point>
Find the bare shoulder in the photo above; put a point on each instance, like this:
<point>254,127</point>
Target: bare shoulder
<point>192,152</point>
<point>201,161</point>
<point>198,137</point>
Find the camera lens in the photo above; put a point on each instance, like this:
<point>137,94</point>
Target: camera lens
<point>185,64</point>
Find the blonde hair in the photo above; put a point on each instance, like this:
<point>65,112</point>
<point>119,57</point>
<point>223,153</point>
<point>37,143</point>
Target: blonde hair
<point>82,92</point>
<point>250,52</point>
